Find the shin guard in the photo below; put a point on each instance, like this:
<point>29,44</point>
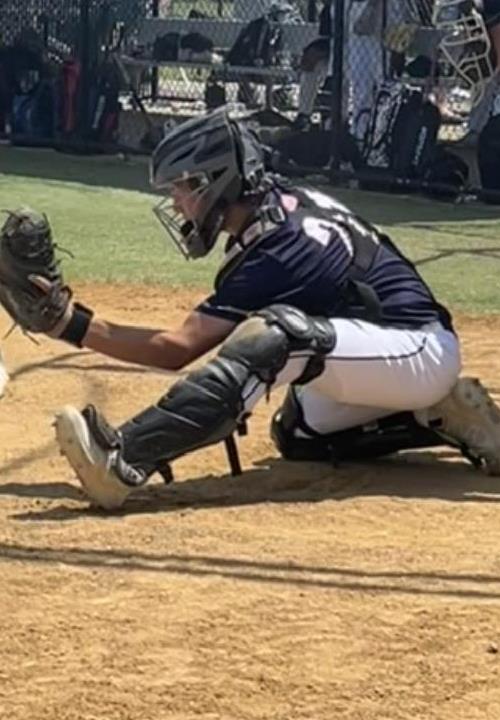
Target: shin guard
<point>207,405</point>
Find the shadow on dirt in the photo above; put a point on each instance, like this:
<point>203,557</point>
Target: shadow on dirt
<point>307,577</point>
<point>419,475</point>
<point>50,490</point>
<point>70,361</point>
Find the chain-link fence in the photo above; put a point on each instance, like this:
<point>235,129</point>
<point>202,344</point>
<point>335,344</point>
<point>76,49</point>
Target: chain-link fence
<point>56,81</point>
<point>201,55</point>
<point>416,77</point>
<point>418,43</point>
<point>411,83</point>
<point>74,71</point>
<point>192,55</point>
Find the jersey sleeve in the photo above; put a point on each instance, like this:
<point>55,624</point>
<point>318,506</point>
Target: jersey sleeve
<point>215,306</point>
<point>491,12</point>
<point>248,288</point>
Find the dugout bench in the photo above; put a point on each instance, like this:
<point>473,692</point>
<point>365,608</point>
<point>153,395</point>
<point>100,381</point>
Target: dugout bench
<point>223,33</point>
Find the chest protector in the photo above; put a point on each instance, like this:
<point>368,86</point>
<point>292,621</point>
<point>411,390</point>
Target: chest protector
<point>362,238</point>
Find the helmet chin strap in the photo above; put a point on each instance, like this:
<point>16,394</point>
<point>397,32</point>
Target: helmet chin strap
<point>200,238</point>
<point>187,228</point>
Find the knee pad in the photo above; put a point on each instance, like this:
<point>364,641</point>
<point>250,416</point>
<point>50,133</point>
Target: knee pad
<point>207,405</point>
<point>265,341</point>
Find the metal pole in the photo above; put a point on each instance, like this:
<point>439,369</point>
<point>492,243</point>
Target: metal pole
<point>311,11</point>
<point>154,72</point>
<point>337,57</point>
<point>385,54</point>
<point>44,22</point>
<point>84,94</point>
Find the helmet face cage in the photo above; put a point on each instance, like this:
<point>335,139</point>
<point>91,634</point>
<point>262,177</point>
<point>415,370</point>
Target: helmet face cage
<point>466,45</point>
<point>185,229</point>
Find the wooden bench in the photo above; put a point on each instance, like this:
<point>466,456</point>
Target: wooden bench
<point>223,34</point>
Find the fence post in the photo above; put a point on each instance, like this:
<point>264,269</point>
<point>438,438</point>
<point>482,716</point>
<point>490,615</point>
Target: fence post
<point>155,12</point>
<point>311,11</point>
<point>84,91</point>
<point>337,53</point>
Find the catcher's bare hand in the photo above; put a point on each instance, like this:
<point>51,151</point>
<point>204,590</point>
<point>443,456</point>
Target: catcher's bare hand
<point>47,288</point>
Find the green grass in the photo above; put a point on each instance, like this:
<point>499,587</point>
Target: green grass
<point>100,208</point>
<point>110,230</point>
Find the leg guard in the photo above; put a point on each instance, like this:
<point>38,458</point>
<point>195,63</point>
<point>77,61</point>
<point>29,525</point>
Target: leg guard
<point>396,432</point>
<point>205,407</point>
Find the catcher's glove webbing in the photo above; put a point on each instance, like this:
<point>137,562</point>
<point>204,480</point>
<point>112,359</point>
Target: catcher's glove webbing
<point>27,250</point>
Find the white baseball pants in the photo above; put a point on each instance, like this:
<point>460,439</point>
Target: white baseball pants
<point>372,372</point>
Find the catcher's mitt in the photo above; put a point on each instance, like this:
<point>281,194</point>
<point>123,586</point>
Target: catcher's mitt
<point>27,251</point>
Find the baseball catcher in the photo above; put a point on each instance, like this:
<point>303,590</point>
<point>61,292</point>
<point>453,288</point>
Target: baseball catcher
<point>309,295</point>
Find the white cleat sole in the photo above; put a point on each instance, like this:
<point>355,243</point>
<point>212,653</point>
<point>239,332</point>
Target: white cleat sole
<point>4,376</point>
<point>89,461</point>
<point>4,379</point>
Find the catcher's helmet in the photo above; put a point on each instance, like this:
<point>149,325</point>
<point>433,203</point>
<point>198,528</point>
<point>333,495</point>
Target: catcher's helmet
<point>220,161</point>
<point>465,44</point>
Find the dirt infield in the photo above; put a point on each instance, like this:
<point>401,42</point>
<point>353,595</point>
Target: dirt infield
<point>295,592</point>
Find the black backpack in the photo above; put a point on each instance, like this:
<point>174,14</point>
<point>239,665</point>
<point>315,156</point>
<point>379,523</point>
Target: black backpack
<point>257,45</point>
<point>215,94</point>
<point>446,177</point>
<point>166,47</point>
<point>311,149</point>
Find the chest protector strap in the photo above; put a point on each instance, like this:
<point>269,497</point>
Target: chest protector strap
<point>270,216</point>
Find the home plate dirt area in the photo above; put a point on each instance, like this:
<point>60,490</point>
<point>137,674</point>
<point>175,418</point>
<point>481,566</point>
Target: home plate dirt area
<point>291,592</point>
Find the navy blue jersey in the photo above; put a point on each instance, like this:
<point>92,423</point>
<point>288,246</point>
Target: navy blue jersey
<point>491,12</point>
<point>305,261</point>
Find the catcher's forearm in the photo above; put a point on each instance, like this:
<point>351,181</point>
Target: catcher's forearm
<point>144,346</point>
<point>34,294</point>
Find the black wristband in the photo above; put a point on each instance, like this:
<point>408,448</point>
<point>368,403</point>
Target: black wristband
<point>76,329</point>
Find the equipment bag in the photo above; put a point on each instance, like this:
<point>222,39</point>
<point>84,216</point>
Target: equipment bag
<point>312,149</point>
<point>446,176</point>
<point>257,45</point>
<point>402,132</point>
<point>104,104</point>
<point>33,113</point>
<point>69,86</point>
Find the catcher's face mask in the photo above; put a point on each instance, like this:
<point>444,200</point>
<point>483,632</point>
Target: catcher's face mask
<point>465,45</point>
<point>188,216</point>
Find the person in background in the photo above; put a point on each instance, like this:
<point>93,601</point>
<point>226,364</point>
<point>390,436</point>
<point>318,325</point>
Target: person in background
<point>314,67</point>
